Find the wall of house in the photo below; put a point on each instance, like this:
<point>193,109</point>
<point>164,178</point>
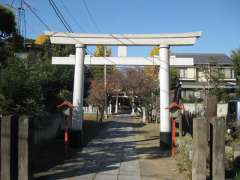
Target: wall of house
<point>191,73</point>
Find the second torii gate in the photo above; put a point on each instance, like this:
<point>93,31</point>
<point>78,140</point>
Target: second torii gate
<point>164,41</point>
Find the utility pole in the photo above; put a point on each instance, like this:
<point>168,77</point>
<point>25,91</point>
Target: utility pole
<point>21,20</point>
<point>105,83</point>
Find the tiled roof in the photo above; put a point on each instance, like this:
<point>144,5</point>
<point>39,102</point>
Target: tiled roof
<point>201,58</point>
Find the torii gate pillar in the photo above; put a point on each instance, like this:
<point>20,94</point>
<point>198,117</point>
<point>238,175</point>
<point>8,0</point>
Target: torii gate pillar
<point>165,125</point>
<point>76,139</point>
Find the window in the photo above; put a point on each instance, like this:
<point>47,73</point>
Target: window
<point>202,77</point>
<point>183,73</point>
<point>187,73</point>
<point>228,73</point>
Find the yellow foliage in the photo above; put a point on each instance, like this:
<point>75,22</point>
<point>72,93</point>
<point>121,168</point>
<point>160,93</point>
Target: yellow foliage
<point>151,71</point>
<point>41,39</point>
<point>154,52</point>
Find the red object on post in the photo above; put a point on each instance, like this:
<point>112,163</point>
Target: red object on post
<point>67,118</point>
<point>65,104</point>
<point>66,136</point>
<point>174,107</point>
<point>173,135</point>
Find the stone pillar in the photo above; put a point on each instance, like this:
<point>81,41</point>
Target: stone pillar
<point>210,103</point>
<point>199,149</point>
<point>144,115</point>
<point>218,169</point>
<point>180,124</point>
<point>110,108</point>
<point>90,108</point>
<point>165,124</point>
<point>5,147</point>
<point>133,110</point>
<point>116,105</point>
<point>76,129</point>
<point>23,154</point>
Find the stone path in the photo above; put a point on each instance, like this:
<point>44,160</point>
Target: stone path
<point>113,155</point>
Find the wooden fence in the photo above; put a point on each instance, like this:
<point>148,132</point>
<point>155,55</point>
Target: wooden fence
<point>14,151</point>
<point>208,141</point>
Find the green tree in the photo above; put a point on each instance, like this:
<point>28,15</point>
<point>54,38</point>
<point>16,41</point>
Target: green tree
<point>20,93</point>
<point>34,85</point>
<point>10,41</point>
<point>53,80</point>
<point>7,22</point>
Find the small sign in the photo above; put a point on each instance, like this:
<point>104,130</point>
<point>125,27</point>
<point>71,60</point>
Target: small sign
<point>66,112</point>
<point>174,112</point>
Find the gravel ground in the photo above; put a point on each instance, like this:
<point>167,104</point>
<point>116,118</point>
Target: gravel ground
<point>154,165</point>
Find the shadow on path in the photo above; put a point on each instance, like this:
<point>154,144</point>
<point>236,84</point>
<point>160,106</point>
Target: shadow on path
<point>113,152</point>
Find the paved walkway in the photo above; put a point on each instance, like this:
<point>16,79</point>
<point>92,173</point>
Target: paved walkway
<point>120,152</point>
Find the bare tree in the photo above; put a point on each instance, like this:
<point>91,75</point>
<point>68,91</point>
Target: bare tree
<point>97,96</point>
<point>141,88</point>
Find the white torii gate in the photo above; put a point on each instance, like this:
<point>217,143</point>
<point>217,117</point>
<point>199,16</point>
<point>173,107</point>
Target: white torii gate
<point>164,41</point>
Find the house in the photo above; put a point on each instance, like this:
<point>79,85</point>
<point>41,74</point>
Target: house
<point>195,78</point>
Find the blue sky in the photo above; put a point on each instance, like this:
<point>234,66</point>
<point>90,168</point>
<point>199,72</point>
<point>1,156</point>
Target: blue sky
<point>217,19</point>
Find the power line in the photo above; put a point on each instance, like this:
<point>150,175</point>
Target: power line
<point>105,72</point>
<point>91,16</point>
<point>20,19</point>
<point>60,16</point>
<point>12,7</point>
<point>95,23</point>
<point>73,18</point>
<point>87,50</point>
<point>36,15</point>
<point>97,27</point>
<point>25,23</point>
<point>12,3</point>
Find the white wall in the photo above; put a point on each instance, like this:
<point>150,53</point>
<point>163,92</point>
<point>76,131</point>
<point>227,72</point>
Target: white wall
<point>91,109</point>
<point>198,108</point>
<point>193,107</point>
<point>222,109</point>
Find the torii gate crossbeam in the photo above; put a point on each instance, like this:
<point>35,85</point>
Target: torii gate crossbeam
<point>122,61</point>
<point>164,41</point>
